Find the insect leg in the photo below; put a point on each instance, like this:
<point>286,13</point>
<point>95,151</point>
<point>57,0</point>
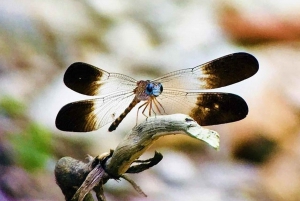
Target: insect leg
<point>137,113</point>
<point>157,104</point>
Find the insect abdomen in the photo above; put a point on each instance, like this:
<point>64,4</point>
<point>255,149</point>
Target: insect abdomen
<point>116,123</point>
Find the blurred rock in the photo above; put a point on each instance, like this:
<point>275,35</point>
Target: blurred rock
<point>15,183</point>
<point>281,175</point>
<point>254,23</point>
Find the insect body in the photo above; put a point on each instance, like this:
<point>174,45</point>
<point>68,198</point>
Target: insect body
<point>175,92</point>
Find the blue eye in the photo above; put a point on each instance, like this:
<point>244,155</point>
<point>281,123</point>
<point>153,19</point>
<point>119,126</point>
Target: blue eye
<point>157,89</point>
<point>149,89</point>
<point>154,89</point>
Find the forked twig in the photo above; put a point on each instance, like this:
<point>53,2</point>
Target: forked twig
<point>78,179</point>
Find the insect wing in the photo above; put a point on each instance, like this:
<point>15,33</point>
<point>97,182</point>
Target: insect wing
<point>206,108</point>
<point>217,73</point>
<point>90,80</point>
<point>90,115</point>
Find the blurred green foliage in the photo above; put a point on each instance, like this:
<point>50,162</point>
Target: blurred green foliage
<point>11,106</point>
<point>32,144</point>
<point>32,147</point>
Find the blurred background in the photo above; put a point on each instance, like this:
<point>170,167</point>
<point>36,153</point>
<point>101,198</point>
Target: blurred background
<point>259,157</point>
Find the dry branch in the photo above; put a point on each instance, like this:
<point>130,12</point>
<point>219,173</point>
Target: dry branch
<point>92,175</point>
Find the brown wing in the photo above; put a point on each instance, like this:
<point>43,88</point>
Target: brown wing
<point>206,108</point>
<point>90,80</point>
<point>217,73</point>
<point>90,115</point>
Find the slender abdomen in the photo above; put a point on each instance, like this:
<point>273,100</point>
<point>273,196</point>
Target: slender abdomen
<point>116,123</point>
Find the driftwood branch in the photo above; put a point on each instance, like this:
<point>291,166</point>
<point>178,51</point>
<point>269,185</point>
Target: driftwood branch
<point>141,137</point>
<point>113,165</point>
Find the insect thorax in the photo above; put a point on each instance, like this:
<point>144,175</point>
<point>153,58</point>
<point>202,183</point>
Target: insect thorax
<point>146,89</point>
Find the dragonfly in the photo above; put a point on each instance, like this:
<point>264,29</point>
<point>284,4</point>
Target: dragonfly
<point>180,91</point>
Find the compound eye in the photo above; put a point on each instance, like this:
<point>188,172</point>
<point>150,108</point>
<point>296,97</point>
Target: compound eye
<point>149,88</point>
<point>157,89</point>
<point>161,88</point>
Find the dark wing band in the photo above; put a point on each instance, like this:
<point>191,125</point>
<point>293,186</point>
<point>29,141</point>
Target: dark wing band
<point>90,115</point>
<point>206,108</point>
<point>217,73</point>
<point>90,80</point>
